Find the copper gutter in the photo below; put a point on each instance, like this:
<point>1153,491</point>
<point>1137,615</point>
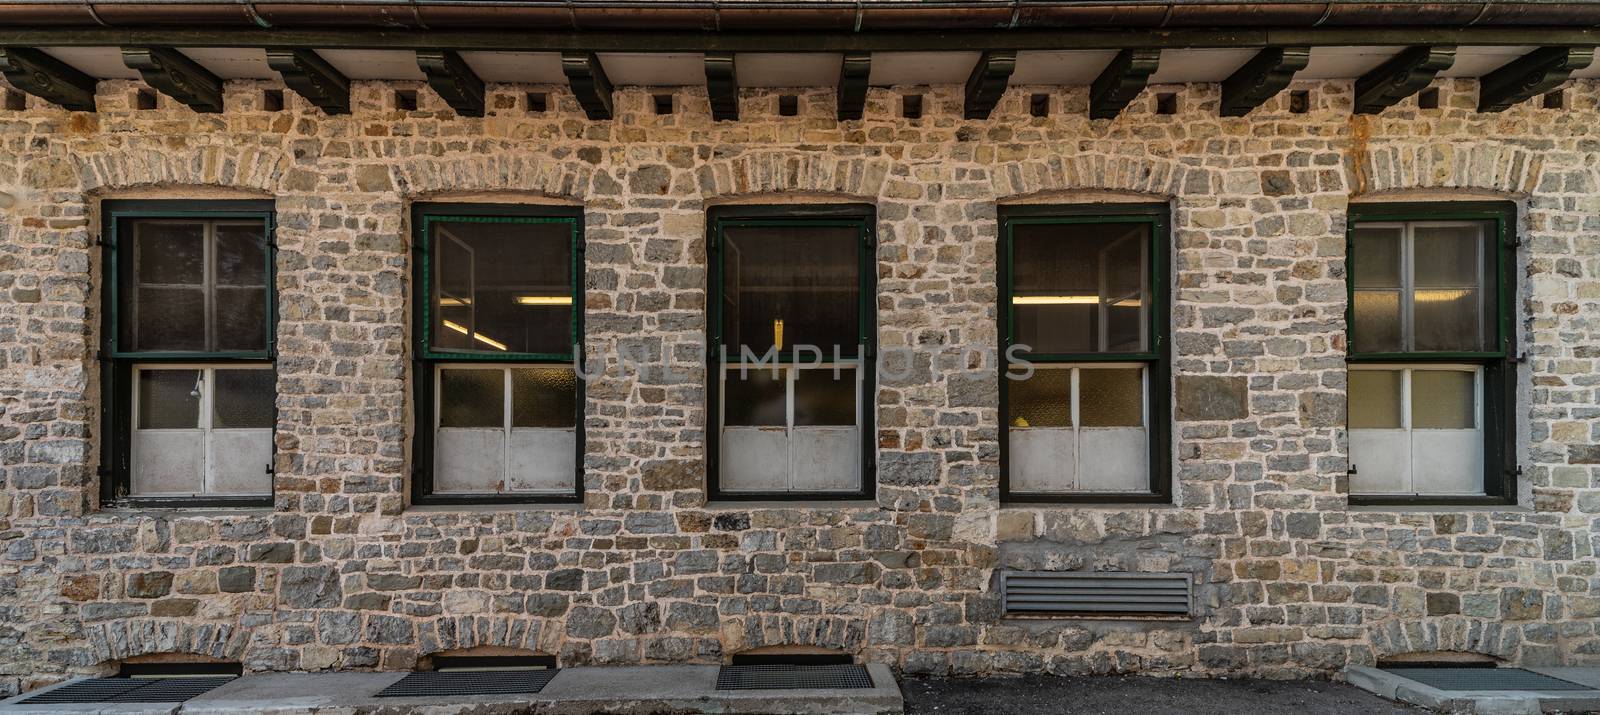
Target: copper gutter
<point>848,16</point>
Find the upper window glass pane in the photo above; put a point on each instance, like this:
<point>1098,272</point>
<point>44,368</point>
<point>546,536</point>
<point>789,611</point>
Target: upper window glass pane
<point>1422,286</point>
<point>193,285</point>
<point>501,286</point>
<point>1080,287</point>
<point>784,286</point>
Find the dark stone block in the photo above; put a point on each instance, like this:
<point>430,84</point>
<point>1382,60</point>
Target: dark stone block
<point>1206,397</point>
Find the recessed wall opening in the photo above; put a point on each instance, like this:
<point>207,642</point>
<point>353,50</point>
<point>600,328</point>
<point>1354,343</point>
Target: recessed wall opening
<point>791,659</point>
<point>1554,100</point>
<point>1299,101</point>
<point>144,99</point>
<point>15,101</point>
<point>178,669</point>
<point>537,101</point>
<point>1039,105</point>
<point>1428,99</point>
<point>1438,659</point>
<point>1167,103</point>
<point>788,105</point>
<point>272,100</point>
<point>484,663</point>
<point>405,100</point>
<point>663,103</point>
<point>911,106</point>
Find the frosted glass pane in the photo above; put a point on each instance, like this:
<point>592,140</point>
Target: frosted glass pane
<point>169,399</point>
<point>472,398</point>
<point>1447,256</point>
<point>1442,399</point>
<point>754,459</point>
<point>1113,459</point>
<point>1110,397</point>
<point>243,398</point>
<point>241,254</point>
<point>167,462</point>
<point>171,252</point>
<point>239,461</point>
<point>241,319</point>
<point>820,399</point>
<point>1042,460</point>
<point>543,397</point>
<point>1376,318</point>
<point>169,319</point>
<point>1043,400</point>
<point>469,460</point>
<point>1375,257</point>
<point>825,459</point>
<point>1382,460</point>
<point>1447,462</point>
<point>1447,319</point>
<point>1375,399</point>
<point>756,398</point>
<point>542,460</point>
<point>791,285</point>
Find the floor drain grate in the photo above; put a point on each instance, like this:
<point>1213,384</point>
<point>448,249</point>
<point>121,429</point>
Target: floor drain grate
<point>488,682</point>
<point>1485,679</point>
<point>788,677</point>
<point>129,690</point>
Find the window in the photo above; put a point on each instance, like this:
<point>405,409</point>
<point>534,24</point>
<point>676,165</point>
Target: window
<point>499,406</point>
<point>1431,379</point>
<point>792,337</point>
<point>1083,318</point>
<point>189,375</point>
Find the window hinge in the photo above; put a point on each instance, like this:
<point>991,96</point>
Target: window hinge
<point>98,240</point>
<point>1352,470</point>
<point>872,238</point>
<point>1519,358</point>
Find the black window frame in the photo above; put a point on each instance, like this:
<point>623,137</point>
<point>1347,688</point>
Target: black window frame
<point>862,216</point>
<point>1499,365</point>
<point>425,358</point>
<point>1157,359</point>
<point>117,366</point>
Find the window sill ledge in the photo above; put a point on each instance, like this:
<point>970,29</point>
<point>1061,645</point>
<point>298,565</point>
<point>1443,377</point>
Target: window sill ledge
<point>1084,505</point>
<point>772,504</point>
<point>1436,508</point>
<point>491,508</point>
<point>182,512</point>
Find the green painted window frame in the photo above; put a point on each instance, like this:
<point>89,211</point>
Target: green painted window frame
<point>862,217</point>
<point>117,366</point>
<point>1499,365</point>
<point>1156,358</point>
<point>425,359</point>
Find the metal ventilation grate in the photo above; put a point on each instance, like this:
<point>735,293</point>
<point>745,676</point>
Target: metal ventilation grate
<point>1094,593</point>
<point>130,690</point>
<point>1484,679</point>
<point>485,682</point>
<point>792,676</point>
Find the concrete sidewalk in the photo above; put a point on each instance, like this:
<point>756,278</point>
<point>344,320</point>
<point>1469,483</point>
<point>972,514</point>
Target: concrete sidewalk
<point>1396,686</point>
<point>641,690</point>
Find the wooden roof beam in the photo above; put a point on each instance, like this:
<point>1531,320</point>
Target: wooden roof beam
<point>1530,75</point>
<point>1403,75</point>
<point>853,76</point>
<point>312,77</point>
<point>722,85</point>
<point>177,76</point>
<point>988,81</point>
<point>589,83</point>
<point>1121,81</point>
<point>453,80</point>
<point>1262,78</point>
<point>47,78</point>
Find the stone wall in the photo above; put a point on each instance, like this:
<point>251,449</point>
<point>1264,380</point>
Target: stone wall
<point>342,574</point>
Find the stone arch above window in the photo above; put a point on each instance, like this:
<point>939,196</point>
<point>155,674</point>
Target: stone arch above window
<point>786,173</point>
<point>1506,170</point>
<point>208,166</point>
<point>460,633</point>
<point>831,634</point>
<point>1152,177</point>
<point>1464,635</point>
<point>130,638</point>
<point>428,177</point>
